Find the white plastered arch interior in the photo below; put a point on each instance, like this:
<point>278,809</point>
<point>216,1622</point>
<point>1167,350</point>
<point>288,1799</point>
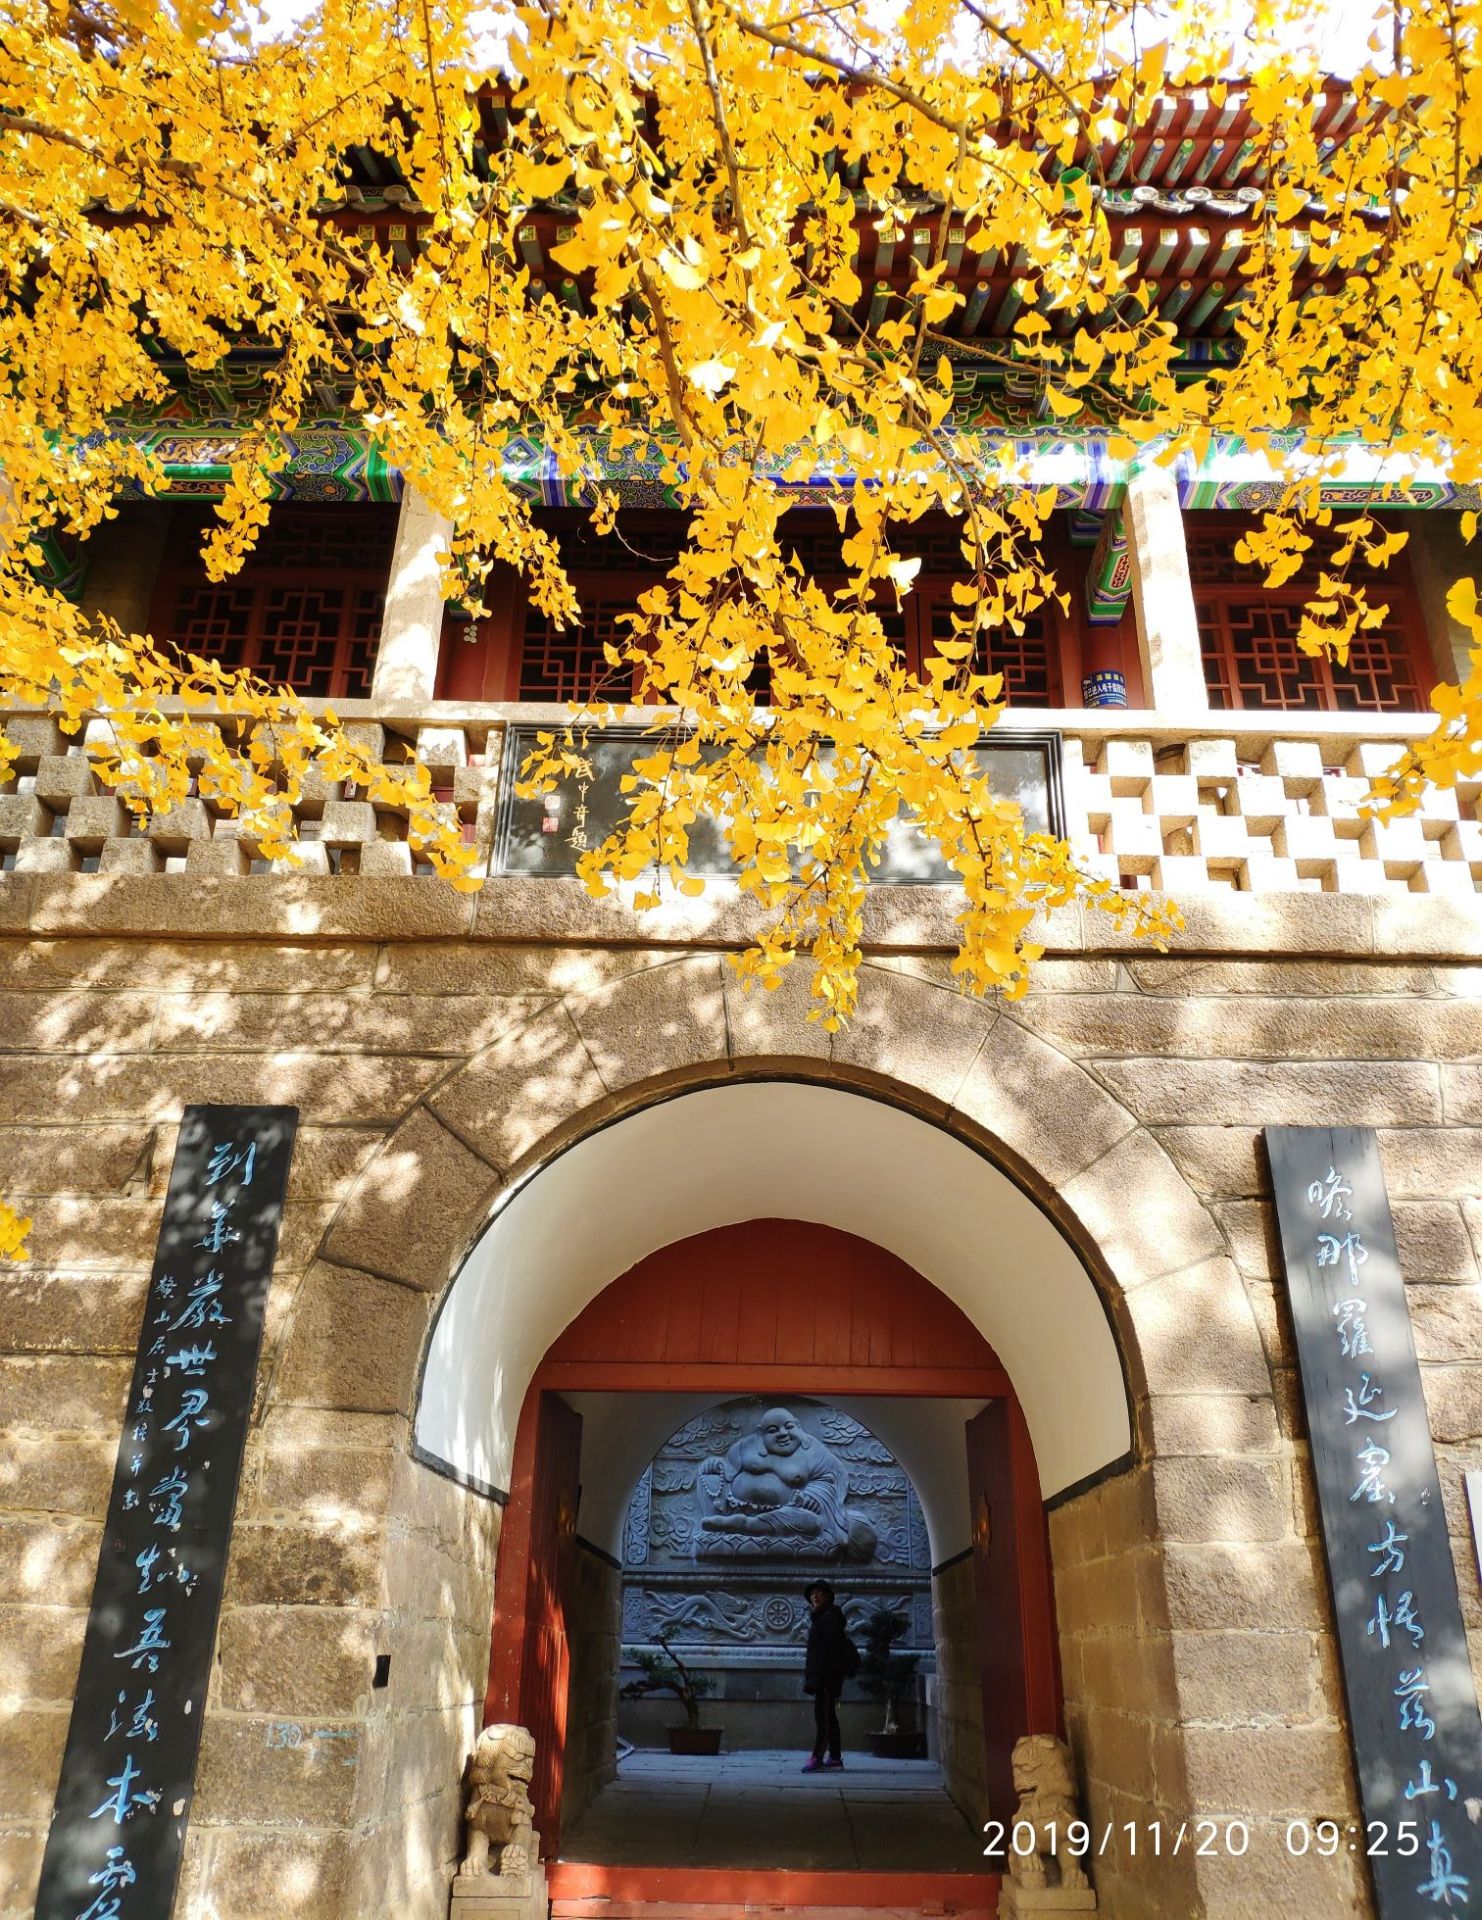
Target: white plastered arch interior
<point>772,1149</point>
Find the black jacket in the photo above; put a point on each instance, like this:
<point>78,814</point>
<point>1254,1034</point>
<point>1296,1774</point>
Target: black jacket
<point>824,1663</point>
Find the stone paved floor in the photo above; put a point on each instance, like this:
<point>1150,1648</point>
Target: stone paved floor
<point>758,1810</point>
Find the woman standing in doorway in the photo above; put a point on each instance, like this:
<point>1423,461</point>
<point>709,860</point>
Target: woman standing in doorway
<point>826,1665</point>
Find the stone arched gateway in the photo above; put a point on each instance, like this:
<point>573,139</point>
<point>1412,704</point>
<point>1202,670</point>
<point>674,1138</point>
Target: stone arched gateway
<point>778,1309</point>
<point>1164,1571</point>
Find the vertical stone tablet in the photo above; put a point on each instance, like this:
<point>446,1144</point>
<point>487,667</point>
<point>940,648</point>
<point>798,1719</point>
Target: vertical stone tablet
<point>113,1851</point>
<point>1412,1705</point>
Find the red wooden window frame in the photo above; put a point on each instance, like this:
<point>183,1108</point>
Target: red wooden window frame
<point>305,610</point>
<point>513,645</point>
<point>1247,632</point>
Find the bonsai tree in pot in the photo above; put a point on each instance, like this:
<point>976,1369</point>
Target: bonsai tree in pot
<point>666,1673</point>
<point>887,1676</point>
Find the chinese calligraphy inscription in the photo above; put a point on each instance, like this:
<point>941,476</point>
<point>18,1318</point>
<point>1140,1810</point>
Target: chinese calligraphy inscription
<point>113,1852</point>
<point>1412,1707</point>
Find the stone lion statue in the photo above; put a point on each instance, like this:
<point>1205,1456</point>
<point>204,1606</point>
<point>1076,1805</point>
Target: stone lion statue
<point>1047,1803</point>
<point>501,1820</point>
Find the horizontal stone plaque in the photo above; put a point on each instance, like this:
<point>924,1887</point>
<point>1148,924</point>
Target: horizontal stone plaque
<point>549,834</point>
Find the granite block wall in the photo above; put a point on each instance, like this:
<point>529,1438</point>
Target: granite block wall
<point>422,1048</point>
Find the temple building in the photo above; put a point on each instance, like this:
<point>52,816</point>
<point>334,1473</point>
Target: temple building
<point>612,1306</point>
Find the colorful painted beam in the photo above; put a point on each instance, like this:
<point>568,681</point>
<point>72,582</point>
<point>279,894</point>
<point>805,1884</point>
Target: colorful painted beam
<point>1109,576</point>
<point>327,462</point>
<point>336,462</point>
<point>63,565</point>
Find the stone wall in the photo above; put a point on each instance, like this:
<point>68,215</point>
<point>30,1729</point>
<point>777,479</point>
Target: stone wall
<point>957,1702</point>
<point>594,1611</point>
<point>1126,1090</point>
<point>315,1783</point>
<point>1237,1711</point>
<point>343,1548</point>
<point>1179,1582</point>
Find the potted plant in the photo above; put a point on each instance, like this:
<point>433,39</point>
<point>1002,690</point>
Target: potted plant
<point>666,1673</point>
<point>888,1676</point>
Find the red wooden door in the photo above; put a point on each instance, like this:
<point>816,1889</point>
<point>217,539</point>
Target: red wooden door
<point>530,1665</point>
<point>1016,1617</point>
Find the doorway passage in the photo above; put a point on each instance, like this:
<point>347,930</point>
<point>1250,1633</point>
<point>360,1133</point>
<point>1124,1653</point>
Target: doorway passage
<point>897,1408</point>
<point>879,1816</point>
<point>742,1506</point>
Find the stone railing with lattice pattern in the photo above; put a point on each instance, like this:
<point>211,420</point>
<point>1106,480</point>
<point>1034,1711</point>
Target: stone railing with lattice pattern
<point>1225,801</point>
<point>1284,816</point>
<point>56,816</point>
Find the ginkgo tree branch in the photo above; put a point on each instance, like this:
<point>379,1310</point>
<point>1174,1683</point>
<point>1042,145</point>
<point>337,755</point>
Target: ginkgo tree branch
<point>172,194</point>
<point>675,379</point>
<point>1015,46</point>
<point>718,113</point>
<point>867,77</point>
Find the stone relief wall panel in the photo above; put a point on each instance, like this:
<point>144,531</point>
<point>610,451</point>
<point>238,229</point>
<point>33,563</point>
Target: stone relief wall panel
<point>746,1502</point>
<point>636,1525</point>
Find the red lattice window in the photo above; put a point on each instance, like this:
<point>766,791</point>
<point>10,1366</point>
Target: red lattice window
<point>304,612</point>
<point>609,573</point>
<point>646,545</point>
<point>1029,661</point>
<point>568,663</point>
<point>1248,633</point>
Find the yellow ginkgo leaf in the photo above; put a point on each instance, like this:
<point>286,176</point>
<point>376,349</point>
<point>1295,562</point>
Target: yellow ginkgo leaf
<point>1062,405</point>
<point>711,375</point>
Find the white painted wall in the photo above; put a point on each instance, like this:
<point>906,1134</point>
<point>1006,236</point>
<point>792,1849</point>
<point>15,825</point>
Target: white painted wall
<point>773,1150</point>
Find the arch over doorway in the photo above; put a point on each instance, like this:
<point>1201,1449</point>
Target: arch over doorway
<point>780,1310</point>
<point>812,1153</point>
<point>497,1130</point>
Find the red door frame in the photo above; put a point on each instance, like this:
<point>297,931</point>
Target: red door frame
<point>1026,1665</point>
<point>529,1672</point>
<point>1011,1575</point>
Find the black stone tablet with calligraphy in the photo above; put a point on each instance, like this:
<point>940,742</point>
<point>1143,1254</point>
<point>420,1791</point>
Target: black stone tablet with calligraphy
<point>1412,1704</point>
<point>113,1852</point>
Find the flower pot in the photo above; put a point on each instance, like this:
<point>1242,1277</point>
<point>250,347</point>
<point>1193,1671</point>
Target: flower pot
<point>695,1739</point>
<point>898,1745</point>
